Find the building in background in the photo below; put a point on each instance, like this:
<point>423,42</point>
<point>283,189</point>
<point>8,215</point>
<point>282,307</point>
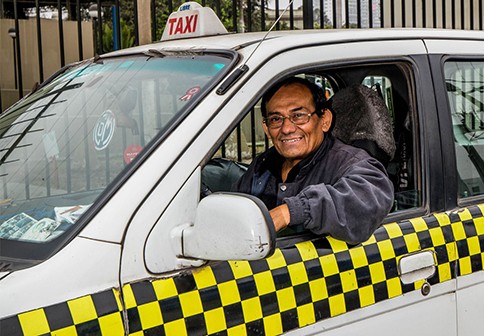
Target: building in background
<point>367,14</point>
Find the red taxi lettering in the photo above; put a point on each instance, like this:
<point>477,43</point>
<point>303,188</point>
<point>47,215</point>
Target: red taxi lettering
<point>179,26</point>
<point>189,24</point>
<point>183,25</point>
<point>171,23</point>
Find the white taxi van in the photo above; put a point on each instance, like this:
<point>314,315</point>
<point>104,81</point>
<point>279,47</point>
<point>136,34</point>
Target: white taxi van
<point>116,215</point>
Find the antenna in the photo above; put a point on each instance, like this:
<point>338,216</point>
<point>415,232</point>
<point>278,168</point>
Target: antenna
<point>235,76</point>
<point>270,30</point>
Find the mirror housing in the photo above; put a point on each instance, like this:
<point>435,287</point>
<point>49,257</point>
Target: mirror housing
<point>228,226</point>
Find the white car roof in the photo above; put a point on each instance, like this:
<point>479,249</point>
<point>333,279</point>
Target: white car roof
<point>282,40</point>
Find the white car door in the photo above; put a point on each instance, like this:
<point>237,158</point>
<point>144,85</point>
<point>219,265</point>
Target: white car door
<point>310,287</point>
<point>458,67</point>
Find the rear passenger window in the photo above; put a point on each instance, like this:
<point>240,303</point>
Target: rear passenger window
<point>465,83</point>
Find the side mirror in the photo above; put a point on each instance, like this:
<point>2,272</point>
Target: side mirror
<point>228,226</point>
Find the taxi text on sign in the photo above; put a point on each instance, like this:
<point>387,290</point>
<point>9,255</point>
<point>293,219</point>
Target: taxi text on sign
<point>192,20</point>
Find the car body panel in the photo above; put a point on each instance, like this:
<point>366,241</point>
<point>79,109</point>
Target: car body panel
<point>94,270</point>
<point>299,285</point>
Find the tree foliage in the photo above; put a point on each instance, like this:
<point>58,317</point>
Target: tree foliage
<point>127,38</point>
<point>230,17</point>
<point>223,9</point>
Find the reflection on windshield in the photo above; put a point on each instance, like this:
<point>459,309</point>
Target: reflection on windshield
<point>64,144</point>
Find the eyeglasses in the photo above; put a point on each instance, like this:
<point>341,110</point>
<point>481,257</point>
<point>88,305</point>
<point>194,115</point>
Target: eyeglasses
<point>297,118</point>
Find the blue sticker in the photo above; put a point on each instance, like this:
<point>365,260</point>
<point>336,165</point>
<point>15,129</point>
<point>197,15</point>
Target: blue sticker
<point>104,130</point>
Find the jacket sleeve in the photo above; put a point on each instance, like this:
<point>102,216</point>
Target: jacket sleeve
<point>350,209</point>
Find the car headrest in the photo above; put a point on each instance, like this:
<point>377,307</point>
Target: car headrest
<point>362,120</point>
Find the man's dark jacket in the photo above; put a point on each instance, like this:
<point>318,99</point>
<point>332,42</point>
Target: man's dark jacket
<point>339,190</point>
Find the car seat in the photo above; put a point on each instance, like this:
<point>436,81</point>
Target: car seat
<point>219,174</point>
<point>361,119</point>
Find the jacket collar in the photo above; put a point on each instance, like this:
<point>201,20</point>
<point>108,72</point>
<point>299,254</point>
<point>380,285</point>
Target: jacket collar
<point>271,160</point>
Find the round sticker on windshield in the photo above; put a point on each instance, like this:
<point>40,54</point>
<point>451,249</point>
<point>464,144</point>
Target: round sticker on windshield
<point>131,152</point>
<point>104,130</point>
<point>190,93</point>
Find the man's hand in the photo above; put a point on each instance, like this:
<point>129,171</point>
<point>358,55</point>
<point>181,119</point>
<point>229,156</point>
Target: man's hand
<point>280,216</point>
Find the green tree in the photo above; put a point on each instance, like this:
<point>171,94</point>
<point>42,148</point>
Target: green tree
<point>223,9</point>
<point>127,38</point>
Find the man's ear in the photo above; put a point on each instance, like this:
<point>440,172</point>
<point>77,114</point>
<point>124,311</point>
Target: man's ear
<point>327,119</point>
<point>266,130</point>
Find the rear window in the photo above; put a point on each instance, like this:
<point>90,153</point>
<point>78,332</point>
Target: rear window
<point>464,82</point>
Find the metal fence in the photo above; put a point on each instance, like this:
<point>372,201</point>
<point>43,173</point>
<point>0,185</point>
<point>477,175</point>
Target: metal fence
<point>122,23</point>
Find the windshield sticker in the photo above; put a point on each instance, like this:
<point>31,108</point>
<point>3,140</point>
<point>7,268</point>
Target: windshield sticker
<point>104,130</point>
<point>50,146</point>
<point>126,64</point>
<point>190,93</point>
<point>131,152</point>
<point>218,66</point>
<point>69,214</point>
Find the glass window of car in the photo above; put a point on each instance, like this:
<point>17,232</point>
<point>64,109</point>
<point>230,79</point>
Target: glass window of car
<point>62,146</point>
<point>464,82</point>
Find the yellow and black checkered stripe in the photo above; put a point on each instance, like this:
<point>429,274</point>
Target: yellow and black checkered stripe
<point>95,314</point>
<point>297,286</point>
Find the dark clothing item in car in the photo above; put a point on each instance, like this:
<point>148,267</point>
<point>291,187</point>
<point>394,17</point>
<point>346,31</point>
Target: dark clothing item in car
<point>339,190</point>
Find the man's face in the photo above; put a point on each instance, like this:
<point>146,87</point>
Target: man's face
<point>295,142</point>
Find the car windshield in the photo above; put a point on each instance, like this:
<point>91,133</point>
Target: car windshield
<point>63,145</point>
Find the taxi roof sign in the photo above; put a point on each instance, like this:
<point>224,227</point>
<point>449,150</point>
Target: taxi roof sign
<point>192,20</point>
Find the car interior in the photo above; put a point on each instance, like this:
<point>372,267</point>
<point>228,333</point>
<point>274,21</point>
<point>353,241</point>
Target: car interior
<point>370,99</point>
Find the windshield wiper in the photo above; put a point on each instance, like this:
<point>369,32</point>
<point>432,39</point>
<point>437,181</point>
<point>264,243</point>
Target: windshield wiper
<point>154,53</point>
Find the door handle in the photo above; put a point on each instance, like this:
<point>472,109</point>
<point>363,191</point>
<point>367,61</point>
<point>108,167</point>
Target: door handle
<point>417,266</point>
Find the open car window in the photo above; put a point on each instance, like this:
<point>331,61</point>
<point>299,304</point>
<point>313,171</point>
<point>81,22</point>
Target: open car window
<point>390,82</point>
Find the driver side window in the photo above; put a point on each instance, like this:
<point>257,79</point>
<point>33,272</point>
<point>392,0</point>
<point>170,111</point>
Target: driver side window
<point>244,143</point>
<point>388,83</point>
<point>235,154</point>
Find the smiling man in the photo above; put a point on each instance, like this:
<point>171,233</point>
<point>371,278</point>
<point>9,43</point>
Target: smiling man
<point>309,179</point>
